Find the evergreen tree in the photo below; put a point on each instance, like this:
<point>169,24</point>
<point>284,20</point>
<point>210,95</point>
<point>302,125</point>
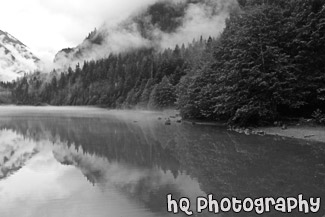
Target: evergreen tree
<point>163,95</point>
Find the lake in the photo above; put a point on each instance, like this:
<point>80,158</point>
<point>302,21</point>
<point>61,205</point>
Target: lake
<point>91,162</point>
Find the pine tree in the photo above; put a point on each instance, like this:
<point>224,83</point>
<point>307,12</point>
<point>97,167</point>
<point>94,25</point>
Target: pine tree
<point>163,95</point>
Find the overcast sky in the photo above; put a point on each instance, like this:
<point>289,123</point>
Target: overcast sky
<point>47,26</point>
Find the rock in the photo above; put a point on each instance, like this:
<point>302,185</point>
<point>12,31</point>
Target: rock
<point>247,132</point>
<point>168,122</point>
<point>159,118</point>
<point>260,132</point>
<point>172,117</point>
<point>179,121</point>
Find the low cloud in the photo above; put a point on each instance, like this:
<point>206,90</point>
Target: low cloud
<point>47,26</point>
<point>191,20</point>
<point>204,19</point>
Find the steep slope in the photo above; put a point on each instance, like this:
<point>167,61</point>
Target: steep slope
<point>162,24</point>
<point>15,58</point>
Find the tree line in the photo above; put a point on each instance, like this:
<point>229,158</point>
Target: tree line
<point>268,63</point>
<point>144,78</point>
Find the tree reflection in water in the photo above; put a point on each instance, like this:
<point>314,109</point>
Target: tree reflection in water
<point>147,160</point>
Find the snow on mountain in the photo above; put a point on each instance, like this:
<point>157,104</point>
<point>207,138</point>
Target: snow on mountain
<point>15,58</point>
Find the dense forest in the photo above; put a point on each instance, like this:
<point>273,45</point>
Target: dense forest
<point>268,63</point>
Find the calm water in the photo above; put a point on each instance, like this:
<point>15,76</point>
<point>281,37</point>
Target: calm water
<point>87,162</point>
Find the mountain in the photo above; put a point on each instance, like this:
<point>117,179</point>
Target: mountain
<point>136,31</point>
<point>15,58</point>
<point>84,51</point>
<point>163,24</point>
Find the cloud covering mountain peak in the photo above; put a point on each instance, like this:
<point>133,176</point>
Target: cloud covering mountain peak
<point>161,24</point>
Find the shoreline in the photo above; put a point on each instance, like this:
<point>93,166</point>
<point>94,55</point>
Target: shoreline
<point>308,133</point>
<point>303,132</point>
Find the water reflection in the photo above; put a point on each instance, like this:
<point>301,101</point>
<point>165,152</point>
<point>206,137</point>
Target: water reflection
<point>124,164</point>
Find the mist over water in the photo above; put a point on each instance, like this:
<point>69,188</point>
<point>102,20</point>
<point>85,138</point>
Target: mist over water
<point>124,163</point>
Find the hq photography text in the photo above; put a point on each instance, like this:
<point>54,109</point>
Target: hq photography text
<point>258,205</point>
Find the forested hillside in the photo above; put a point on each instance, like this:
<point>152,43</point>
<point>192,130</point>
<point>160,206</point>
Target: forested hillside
<point>268,63</point>
<point>143,78</point>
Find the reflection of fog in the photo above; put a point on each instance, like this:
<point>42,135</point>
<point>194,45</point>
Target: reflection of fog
<point>144,160</point>
<point>122,159</point>
<point>51,178</point>
<point>148,185</point>
<point>44,187</point>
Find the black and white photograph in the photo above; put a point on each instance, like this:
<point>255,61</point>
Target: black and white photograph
<point>162,108</point>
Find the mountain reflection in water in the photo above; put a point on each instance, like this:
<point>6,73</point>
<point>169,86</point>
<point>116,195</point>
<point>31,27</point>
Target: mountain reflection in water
<point>71,162</point>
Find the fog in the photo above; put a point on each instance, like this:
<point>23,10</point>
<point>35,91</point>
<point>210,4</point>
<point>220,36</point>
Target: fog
<point>139,30</point>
